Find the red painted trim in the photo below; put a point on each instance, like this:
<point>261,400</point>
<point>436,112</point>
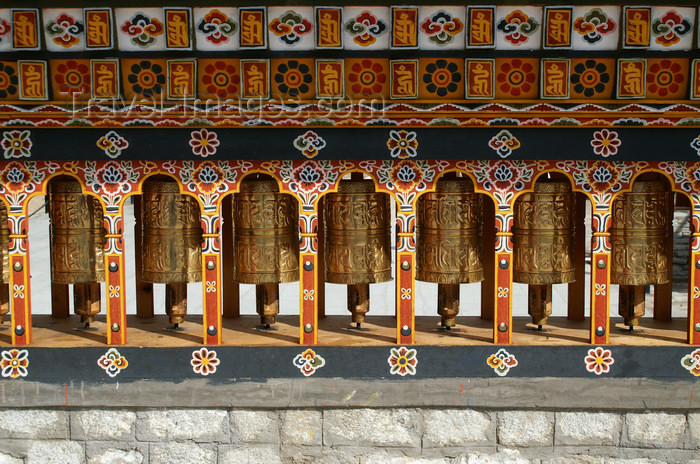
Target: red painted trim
<point>309,304</point>
<point>504,280</point>
<point>20,305</point>
<point>212,299</point>
<point>405,305</point>
<point>116,307</point>
<point>600,314</point>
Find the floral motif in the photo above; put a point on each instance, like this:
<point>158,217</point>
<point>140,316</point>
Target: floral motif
<point>403,361</point>
<point>696,292</point>
<point>691,180</point>
<point>405,176</point>
<point>405,293</point>
<point>65,30</point>
<point>664,77</point>
<point>112,144</point>
<point>502,292</point>
<point>290,27</point>
<point>204,361</point>
<point>308,294</point>
<point>5,28</point>
<point>307,177</point>
<point>594,25</point>
<point>293,78</point>
<point>504,143</point>
<point>204,142</point>
<point>669,29</point>
<point>18,291</point>
<point>516,77</point>
<point>598,360</point>
<point>367,77</point>
<point>112,362</point>
<point>518,27</point>
<point>220,79</point>
<point>503,176</point>
<point>501,362</point>
<point>15,177</point>
<point>442,27</point>
<point>143,30</point>
<point>72,77</point>
<point>599,289</point>
<point>111,177</point>
<point>114,291</point>
<point>16,144</point>
<point>365,28</point>
<point>309,144</point>
<point>602,176</point>
<point>210,286</point>
<point>208,177</point>
<point>690,362</point>
<point>590,77</point>
<point>605,142</point>
<point>8,80</point>
<point>146,78</point>
<point>217,27</point>
<point>14,363</point>
<point>308,362</point>
<point>442,77</point>
<point>695,145</point>
<point>403,144</point>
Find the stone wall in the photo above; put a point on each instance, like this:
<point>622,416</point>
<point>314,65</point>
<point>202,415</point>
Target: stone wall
<point>357,435</point>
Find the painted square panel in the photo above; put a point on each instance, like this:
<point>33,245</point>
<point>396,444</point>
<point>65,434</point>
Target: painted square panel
<point>104,77</point>
<point>70,79</point>
<point>367,78</point>
<point>592,78</point>
<point>253,26</point>
<point>557,27</point>
<point>329,27</point>
<point>672,28</point>
<point>596,27</point>
<point>441,28</point>
<point>636,22</point>
<point>255,78</point>
<point>99,28</point>
<point>144,78</point>
<point>366,28</point>
<point>441,78</point>
<point>9,80</point>
<point>667,78</point>
<point>695,80</point>
<point>481,27</point>
<point>631,78</point>
<point>517,78</point>
<point>404,77</point>
<point>216,28</point>
<point>5,29</point>
<point>64,29</point>
<point>291,28</point>
<point>219,79</point>
<point>33,80</point>
<point>182,79</point>
<point>404,27</point>
<point>140,29</point>
<point>26,29</point>
<point>518,27</point>
<point>330,81</point>
<point>292,79</point>
<point>554,78</point>
<point>178,28</point>
<point>479,78</point>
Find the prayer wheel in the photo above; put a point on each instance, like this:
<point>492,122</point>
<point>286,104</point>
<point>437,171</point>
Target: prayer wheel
<point>357,241</point>
<point>449,242</point>
<point>171,242</point>
<point>265,242</point>
<point>543,242</point>
<point>639,234</point>
<point>4,263</point>
<point>77,244</point>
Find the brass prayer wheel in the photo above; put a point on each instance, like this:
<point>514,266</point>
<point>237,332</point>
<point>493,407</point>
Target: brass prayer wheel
<point>171,242</point>
<point>448,235</point>
<point>543,242</point>
<point>4,263</point>
<point>77,244</point>
<point>265,242</point>
<point>639,233</point>
<point>357,241</point>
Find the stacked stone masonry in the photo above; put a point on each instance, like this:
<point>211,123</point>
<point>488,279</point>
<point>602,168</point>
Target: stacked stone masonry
<point>426,435</point>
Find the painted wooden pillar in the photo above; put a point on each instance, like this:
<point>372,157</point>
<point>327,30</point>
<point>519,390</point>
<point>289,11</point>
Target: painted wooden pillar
<point>503,270</point>
<point>211,277</point>
<point>694,276</point>
<point>115,276</point>
<point>20,285</point>
<point>405,274</point>
<point>600,275</point>
<point>311,274</point>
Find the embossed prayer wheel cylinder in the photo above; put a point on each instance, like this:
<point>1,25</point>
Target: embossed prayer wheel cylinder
<point>4,263</point>
<point>639,232</point>
<point>265,242</point>
<point>543,243</point>
<point>448,235</point>
<point>77,237</point>
<point>357,241</point>
<point>171,242</point>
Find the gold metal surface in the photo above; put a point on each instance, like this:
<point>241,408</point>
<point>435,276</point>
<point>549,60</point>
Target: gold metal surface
<point>172,234</point>
<point>265,234</point>
<point>357,234</point>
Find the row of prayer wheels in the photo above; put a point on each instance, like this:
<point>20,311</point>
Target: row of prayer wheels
<point>357,243</point>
